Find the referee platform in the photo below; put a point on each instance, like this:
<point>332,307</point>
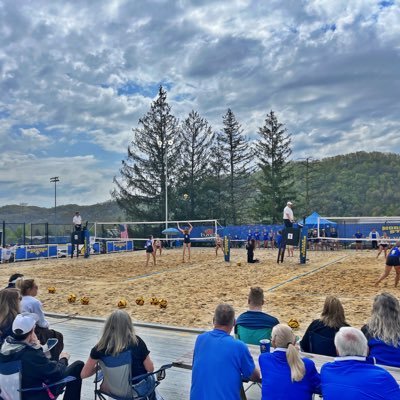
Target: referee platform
<point>165,343</point>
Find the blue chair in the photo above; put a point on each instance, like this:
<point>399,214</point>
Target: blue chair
<point>114,373</point>
<point>10,382</point>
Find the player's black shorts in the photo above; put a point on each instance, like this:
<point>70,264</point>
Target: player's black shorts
<point>187,241</point>
<point>384,245</point>
<point>149,250</point>
<point>393,261</point>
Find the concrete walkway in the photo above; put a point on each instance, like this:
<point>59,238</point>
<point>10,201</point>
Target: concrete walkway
<point>165,346</point>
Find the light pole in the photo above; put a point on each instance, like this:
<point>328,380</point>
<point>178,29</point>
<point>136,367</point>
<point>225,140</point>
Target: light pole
<point>55,179</point>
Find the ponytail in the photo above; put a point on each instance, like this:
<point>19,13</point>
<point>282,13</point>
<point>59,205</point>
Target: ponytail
<point>296,364</point>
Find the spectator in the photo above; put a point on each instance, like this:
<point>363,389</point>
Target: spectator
<point>320,335</point>
<point>9,309</point>
<point>29,303</point>
<point>351,376</point>
<point>118,336</point>
<point>383,330</point>
<point>220,361</point>
<point>359,244</point>
<point>13,279</point>
<point>6,254</point>
<point>24,346</point>
<point>254,325</point>
<point>77,221</point>
<point>250,246</point>
<point>285,375</point>
<point>374,236</point>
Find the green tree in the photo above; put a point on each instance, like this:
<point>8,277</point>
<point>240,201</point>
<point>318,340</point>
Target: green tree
<point>236,156</point>
<point>196,140</point>
<point>140,189</point>
<point>273,151</point>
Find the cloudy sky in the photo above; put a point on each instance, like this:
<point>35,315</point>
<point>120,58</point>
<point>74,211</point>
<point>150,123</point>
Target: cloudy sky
<point>77,75</point>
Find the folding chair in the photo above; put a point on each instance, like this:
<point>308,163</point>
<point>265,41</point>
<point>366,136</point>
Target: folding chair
<point>322,345</point>
<point>252,336</point>
<point>10,382</point>
<point>114,373</point>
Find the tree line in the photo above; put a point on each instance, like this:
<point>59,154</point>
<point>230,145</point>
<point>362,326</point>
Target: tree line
<point>203,173</point>
<point>207,173</point>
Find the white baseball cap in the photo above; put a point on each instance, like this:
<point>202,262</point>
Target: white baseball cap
<point>24,323</point>
<point>289,203</point>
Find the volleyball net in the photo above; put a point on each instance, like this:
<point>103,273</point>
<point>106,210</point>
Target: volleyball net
<point>166,231</point>
<point>353,231</point>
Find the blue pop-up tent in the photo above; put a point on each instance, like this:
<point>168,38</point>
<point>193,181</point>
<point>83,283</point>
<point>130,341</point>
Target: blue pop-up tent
<point>312,221</point>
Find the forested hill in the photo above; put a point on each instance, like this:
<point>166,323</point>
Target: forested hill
<point>108,211</point>
<point>356,184</point>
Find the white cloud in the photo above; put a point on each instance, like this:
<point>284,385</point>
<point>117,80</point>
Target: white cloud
<point>329,68</point>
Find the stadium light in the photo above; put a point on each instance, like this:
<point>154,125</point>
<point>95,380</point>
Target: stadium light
<point>55,179</point>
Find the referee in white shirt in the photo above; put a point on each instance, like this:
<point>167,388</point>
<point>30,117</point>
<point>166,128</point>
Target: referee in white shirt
<point>77,221</point>
<point>288,217</point>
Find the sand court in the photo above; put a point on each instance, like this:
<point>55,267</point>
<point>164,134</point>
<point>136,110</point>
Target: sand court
<point>195,287</point>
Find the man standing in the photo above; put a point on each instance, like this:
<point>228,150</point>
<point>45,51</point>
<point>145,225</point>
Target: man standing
<point>288,217</point>
<point>77,221</point>
<point>374,236</point>
<point>220,361</point>
<point>254,324</point>
<point>351,376</point>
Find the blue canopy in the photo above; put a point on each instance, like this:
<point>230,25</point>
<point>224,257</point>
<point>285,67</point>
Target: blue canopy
<point>170,231</point>
<point>312,220</point>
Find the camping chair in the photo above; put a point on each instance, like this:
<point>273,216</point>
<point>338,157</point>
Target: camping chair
<point>252,336</point>
<point>10,382</point>
<point>322,345</point>
<point>117,383</point>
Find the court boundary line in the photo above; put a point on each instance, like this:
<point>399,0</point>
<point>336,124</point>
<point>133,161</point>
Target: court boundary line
<point>306,273</point>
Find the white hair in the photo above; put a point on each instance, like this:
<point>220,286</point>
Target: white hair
<point>351,342</point>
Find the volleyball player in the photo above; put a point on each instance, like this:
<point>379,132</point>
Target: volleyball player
<point>383,244</point>
<point>265,238</point>
<point>150,250</point>
<point>186,239</point>
<point>257,238</point>
<point>158,246</point>
<point>392,260</point>
<point>218,245</point>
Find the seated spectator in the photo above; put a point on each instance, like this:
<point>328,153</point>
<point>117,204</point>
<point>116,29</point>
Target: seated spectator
<point>220,362</point>
<point>24,346</point>
<point>13,279</point>
<point>351,376</point>
<point>320,335</point>
<point>250,246</point>
<point>9,309</point>
<point>285,375</point>
<point>30,304</point>
<point>118,336</point>
<point>383,330</point>
<point>254,325</point>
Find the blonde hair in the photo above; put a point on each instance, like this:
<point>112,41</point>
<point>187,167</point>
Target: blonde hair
<point>9,306</point>
<point>282,336</point>
<point>385,319</point>
<point>24,285</point>
<point>333,313</point>
<point>118,334</point>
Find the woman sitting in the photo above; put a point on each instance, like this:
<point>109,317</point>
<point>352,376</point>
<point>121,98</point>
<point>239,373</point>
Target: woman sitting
<point>119,336</point>
<point>250,246</point>
<point>285,375</point>
<point>383,330</point>
<point>29,303</point>
<point>9,309</point>
<point>320,335</point>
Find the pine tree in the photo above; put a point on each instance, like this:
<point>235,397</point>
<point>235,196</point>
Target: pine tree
<point>273,151</point>
<point>141,188</point>
<point>194,162</point>
<point>236,156</point>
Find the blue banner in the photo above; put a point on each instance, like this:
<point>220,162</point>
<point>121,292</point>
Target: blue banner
<point>33,252</point>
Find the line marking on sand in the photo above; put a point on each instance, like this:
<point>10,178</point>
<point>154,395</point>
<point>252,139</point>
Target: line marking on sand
<point>306,273</point>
